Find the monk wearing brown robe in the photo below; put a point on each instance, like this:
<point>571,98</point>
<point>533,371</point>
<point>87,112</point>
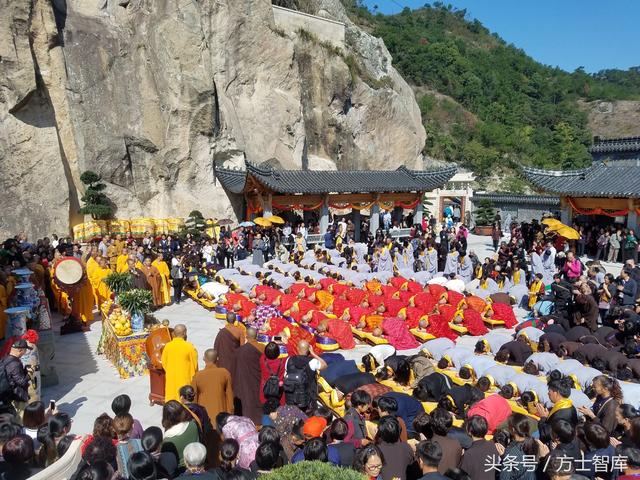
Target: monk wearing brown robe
<point>227,343</point>
<point>154,280</point>
<point>213,387</point>
<point>246,380</point>
<point>139,278</point>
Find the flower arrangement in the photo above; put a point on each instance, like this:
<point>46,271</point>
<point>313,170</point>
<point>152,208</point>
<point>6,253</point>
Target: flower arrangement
<point>136,301</point>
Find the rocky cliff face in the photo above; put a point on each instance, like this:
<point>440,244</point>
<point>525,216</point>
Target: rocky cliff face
<point>619,118</point>
<point>152,93</point>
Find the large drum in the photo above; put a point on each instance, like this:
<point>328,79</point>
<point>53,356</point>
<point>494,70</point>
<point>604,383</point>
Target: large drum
<point>69,274</point>
<point>155,343</point>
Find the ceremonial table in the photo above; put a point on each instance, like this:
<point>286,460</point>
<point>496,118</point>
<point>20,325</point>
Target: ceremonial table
<point>128,354</point>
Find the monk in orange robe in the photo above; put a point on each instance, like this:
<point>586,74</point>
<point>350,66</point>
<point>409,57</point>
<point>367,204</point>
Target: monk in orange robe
<point>154,280</point>
<point>324,299</point>
<point>476,303</point>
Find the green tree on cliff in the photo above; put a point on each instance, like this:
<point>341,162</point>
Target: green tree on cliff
<point>96,202</point>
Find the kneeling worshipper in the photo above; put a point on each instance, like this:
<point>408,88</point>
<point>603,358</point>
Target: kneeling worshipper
<point>338,330</point>
<point>214,290</point>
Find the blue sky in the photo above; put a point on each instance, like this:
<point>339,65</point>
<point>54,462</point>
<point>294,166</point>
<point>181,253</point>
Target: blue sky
<point>564,33</point>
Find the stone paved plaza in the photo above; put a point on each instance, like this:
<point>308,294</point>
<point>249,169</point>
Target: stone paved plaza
<point>88,382</point>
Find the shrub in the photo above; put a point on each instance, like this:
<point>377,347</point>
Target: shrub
<point>485,213</point>
<point>314,470</point>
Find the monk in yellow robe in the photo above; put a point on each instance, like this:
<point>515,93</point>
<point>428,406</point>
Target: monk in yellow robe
<point>119,244</point>
<point>154,280</point>
<point>112,254</point>
<point>121,261</point>
<point>165,276</point>
<point>83,302</point>
<point>180,363</point>
<point>93,274</point>
<point>103,272</point>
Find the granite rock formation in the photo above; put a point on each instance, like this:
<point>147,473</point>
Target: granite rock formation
<point>151,94</point>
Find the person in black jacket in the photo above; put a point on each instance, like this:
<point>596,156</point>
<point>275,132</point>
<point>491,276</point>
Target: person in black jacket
<point>17,377</point>
<point>561,291</point>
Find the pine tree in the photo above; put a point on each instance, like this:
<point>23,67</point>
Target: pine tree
<point>96,202</point>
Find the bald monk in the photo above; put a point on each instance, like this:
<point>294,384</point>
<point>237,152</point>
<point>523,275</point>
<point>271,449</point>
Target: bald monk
<point>180,363</point>
<point>139,278</point>
<point>213,386</point>
<point>246,381</point>
<point>227,343</point>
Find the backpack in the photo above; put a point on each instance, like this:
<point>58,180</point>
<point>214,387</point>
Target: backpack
<point>296,391</point>
<point>271,388</point>
<point>175,271</point>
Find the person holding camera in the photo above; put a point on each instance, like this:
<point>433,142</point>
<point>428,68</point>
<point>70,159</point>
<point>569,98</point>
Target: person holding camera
<point>14,379</point>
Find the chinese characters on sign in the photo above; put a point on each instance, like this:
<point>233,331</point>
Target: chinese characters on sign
<point>528,463</point>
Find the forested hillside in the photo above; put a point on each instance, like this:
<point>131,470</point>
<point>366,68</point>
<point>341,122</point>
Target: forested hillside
<point>486,104</point>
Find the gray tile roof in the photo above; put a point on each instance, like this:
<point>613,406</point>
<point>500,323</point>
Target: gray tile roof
<point>337,181</point>
<point>628,144</point>
<point>598,180</point>
<point>517,199</point>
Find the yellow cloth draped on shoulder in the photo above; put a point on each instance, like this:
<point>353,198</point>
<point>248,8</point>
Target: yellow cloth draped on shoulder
<point>165,275</point>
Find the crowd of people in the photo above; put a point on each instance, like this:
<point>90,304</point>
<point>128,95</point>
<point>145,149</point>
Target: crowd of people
<point>558,398</point>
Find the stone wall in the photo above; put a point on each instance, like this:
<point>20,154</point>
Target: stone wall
<point>325,29</point>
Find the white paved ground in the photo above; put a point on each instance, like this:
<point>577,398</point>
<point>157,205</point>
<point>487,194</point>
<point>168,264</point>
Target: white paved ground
<point>88,382</point>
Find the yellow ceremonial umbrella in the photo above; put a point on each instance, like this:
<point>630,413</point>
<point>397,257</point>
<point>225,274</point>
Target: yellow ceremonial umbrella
<point>276,219</point>
<point>550,222</point>
<point>567,232</point>
<point>263,222</point>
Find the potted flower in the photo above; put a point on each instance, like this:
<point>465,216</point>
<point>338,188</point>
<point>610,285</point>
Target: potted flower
<point>119,283</point>
<point>484,215</point>
<point>137,302</point>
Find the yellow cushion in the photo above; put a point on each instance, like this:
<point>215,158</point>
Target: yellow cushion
<point>461,329</point>
<point>453,375</point>
<point>375,340</point>
<point>493,323</point>
<point>421,336</point>
<point>396,387</point>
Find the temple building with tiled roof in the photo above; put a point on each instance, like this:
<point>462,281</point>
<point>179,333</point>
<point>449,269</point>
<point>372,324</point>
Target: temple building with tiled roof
<point>265,189</point>
<point>608,188</point>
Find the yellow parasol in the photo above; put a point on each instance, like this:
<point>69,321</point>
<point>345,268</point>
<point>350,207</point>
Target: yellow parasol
<point>276,219</point>
<point>567,232</point>
<point>263,222</point>
<point>551,222</point>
